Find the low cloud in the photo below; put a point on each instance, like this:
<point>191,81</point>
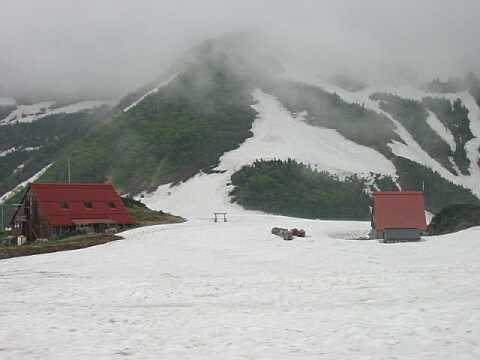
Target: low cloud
<point>105,48</point>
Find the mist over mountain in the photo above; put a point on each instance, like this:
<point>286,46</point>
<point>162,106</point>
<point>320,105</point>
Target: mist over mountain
<point>105,48</point>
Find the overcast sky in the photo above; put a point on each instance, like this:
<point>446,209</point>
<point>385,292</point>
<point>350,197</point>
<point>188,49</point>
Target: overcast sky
<point>105,48</point>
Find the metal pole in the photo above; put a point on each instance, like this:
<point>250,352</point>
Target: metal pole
<point>69,175</point>
<point>3,221</point>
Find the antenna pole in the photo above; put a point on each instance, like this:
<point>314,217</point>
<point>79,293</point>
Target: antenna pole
<point>69,172</point>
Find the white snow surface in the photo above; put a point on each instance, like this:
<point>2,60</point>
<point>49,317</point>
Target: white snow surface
<point>30,113</point>
<point>276,134</point>
<point>153,91</point>
<point>201,290</point>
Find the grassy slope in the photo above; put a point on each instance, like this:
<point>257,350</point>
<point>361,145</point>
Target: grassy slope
<point>144,216</point>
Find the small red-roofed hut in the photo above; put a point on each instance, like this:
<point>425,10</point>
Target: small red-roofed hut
<point>398,216</point>
<point>57,210</point>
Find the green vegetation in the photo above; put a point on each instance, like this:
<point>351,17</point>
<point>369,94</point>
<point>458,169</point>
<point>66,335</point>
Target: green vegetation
<point>143,216</point>
<point>294,189</point>
<point>171,135</point>
<point>455,118</point>
<point>353,121</point>
<point>439,192</point>
<point>413,116</point>
<point>383,183</point>
<point>454,218</point>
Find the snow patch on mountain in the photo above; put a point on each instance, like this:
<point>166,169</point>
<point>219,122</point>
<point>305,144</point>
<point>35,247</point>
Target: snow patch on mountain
<point>32,148</point>
<point>153,91</point>
<point>30,113</point>
<point>5,197</point>
<point>8,151</point>
<point>19,148</point>
<point>441,130</point>
<point>277,134</point>
<point>27,113</point>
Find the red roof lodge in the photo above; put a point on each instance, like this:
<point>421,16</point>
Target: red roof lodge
<point>398,216</point>
<point>57,210</point>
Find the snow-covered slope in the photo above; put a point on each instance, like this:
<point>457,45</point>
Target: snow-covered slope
<point>33,112</point>
<point>232,290</point>
<point>276,134</point>
<point>410,149</point>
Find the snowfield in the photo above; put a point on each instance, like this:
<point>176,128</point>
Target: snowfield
<point>233,291</point>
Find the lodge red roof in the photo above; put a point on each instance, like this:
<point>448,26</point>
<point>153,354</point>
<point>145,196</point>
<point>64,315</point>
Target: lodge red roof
<point>399,210</point>
<point>105,204</point>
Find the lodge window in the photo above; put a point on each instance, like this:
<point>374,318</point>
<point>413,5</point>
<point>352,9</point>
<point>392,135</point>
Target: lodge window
<point>88,205</point>
<point>64,205</point>
<point>111,205</point>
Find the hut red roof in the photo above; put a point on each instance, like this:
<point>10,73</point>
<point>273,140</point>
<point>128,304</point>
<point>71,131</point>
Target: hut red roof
<point>399,210</point>
<point>73,204</point>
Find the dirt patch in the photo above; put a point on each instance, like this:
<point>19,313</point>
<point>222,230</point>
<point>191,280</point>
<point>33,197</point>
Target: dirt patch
<point>73,243</point>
